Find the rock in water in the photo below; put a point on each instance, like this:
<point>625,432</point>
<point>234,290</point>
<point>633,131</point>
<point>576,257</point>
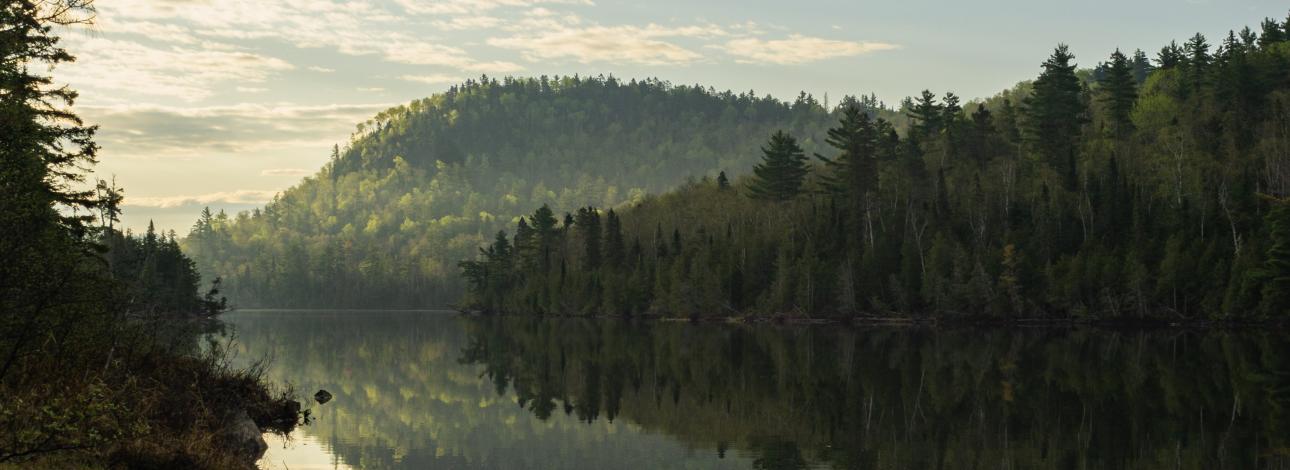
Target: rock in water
<point>322,396</point>
<point>244,438</point>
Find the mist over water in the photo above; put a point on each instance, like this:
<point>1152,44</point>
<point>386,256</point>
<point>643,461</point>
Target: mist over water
<point>437,390</point>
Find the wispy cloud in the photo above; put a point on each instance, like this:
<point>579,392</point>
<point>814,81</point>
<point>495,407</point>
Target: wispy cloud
<point>188,73</point>
<point>147,131</point>
<point>468,22</point>
<point>626,44</point>
<point>240,196</point>
<point>286,172</point>
<point>796,49</point>
<point>433,79</point>
<point>465,7</point>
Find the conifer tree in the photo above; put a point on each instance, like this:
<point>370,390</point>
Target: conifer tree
<point>1197,64</point>
<point>1170,56</point>
<point>927,114</point>
<point>854,170</point>
<point>1119,92</point>
<point>779,176</point>
<point>614,245</point>
<point>587,224</point>
<point>1141,66</point>
<point>1055,113</point>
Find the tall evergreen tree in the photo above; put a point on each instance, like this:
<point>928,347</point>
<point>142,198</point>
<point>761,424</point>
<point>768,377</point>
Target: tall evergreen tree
<point>783,168</point>
<point>1119,93</point>
<point>1055,113</point>
<point>926,113</point>
<point>1197,64</point>
<point>614,245</point>
<point>587,225</point>
<point>854,170</point>
<point>1141,66</point>
<point>1171,56</point>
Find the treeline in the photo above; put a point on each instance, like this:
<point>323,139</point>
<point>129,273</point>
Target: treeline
<point>98,365</point>
<point>1130,192</point>
<point>157,274</point>
<point>421,186</point>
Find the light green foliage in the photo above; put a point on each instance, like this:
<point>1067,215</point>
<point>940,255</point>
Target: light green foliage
<point>385,222</point>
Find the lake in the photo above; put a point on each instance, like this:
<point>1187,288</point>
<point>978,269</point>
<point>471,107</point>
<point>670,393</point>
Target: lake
<point>438,390</point>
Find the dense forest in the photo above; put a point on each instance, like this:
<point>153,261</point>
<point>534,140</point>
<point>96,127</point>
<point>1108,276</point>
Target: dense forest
<point>420,187</point>
<point>99,359</point>
<point>1139,188</point>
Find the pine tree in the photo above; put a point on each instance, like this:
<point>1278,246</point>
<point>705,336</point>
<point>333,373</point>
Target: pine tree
<point>587,224</point>
<point>1055,112</point>
<point>779,176</point>
<point>1141,66</point>
<point>1171,56</point>
<point>1119,92</point>
<point>1197,64</point>
<point>660,243</point>
<point>927,114</point>
<point>982,129</point>
<point>854,170</point>
<point>545,233</point>
<point>1272,33</point>
<point>614,245</point>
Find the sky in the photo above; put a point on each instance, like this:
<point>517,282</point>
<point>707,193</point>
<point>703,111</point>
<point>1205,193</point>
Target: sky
<point>224,103</point>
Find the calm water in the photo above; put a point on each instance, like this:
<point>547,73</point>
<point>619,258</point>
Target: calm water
<point>434,390</point>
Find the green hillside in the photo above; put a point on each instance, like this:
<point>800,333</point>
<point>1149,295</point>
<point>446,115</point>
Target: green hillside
<point>1127,193</point>
<point>421,186</point>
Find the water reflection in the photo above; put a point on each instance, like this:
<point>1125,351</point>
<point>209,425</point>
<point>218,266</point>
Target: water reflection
<point>416,390</point>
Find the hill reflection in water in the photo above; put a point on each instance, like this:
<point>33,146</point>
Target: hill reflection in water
<point>434,390</point>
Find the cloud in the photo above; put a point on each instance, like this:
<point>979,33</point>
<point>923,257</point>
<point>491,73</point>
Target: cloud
<point>187,73</point>
<point>370,89</point>
<point>615,44</point>
<point>148,131</point>
<point>463,7</point>
<point>467,22</point>
<point>421,53</point>
<point>315,68</point>
<point>251,89</point>
<point>432,79</point>
<point>240,196</point>
<point>286,172</point>
<point>356,27</point>
<point>796,49</point>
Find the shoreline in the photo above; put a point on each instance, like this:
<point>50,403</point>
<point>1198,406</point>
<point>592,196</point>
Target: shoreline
<point>932,321</point>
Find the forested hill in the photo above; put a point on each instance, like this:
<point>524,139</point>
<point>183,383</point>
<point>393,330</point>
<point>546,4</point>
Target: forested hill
<point>1138,191</point>
<point>422,186</point>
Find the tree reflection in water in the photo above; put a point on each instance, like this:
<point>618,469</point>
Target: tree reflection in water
<point>416,390</point>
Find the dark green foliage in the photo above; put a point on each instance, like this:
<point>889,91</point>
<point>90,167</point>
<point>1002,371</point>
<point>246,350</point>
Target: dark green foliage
<point>780,174</point>
<point>837,396</point>
<point>97,358</point>
<point>1055,114</point>
<point>1119,92</point>
<point>1003,212</point>
<point>1276,270</point>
